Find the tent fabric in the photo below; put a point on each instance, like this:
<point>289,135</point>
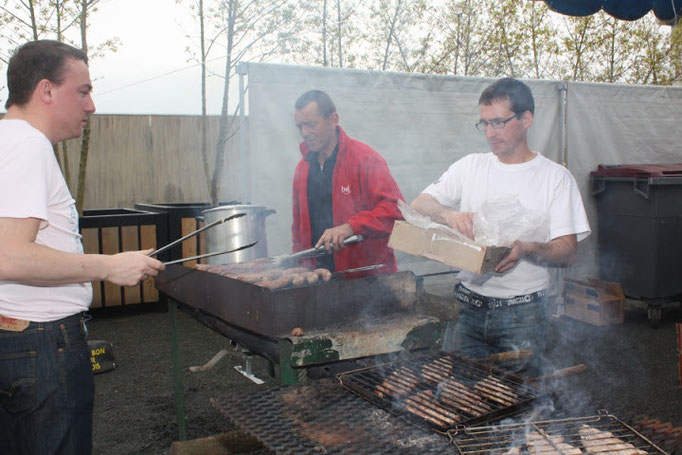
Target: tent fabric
<point>422,123</point>
<point>628,10</point>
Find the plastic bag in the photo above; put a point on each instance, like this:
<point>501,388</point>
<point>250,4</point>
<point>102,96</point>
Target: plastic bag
<point>421,221</point>
<point>502,221</point>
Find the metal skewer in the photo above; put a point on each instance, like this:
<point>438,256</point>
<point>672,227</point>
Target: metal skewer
<point>208,255</point>
<point>192,234</point>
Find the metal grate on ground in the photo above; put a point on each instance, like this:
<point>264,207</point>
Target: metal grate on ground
<point>325,418</point>
<point>601,434</point>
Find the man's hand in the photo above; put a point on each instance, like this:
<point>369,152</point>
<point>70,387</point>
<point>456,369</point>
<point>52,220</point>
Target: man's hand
<point>333,238</point>
<point>559,252</point>
<point>518,251</point>
<point>131,267</point>
<point>462,222</point>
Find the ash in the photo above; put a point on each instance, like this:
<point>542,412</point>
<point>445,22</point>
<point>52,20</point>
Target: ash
<point>417,439</point>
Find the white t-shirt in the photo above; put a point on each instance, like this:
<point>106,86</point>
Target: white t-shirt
<point>32,186</point>
<point>539,184</point>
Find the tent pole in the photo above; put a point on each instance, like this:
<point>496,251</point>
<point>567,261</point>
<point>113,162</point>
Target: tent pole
<point>242,70</point>
<point>563,90</point>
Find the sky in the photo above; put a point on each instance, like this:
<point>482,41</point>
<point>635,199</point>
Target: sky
<point>151,72</point>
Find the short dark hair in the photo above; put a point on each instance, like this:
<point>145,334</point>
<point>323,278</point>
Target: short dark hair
<point>518,94</point>
<point>325,105</point>
<point>35,61</point>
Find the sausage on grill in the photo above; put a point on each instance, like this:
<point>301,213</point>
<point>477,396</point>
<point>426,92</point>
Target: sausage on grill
<point>598,442</point>
<point>324,274</point>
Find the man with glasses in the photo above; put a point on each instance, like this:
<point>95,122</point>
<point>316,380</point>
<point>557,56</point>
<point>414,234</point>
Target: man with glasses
<point>504,310</point>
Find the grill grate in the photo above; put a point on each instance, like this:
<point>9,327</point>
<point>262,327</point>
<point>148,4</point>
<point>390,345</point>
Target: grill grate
<point>440,390</point>
<point>601,434</point>
<point>325,418</point>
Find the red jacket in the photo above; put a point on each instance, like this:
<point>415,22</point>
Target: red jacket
<point>364,195</point>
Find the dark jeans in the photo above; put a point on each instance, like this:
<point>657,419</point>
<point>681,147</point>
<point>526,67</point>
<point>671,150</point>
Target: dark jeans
<point>46,389</point>
<point>479,333</point>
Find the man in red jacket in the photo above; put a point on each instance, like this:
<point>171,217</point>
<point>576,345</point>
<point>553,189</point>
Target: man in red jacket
<point>341,187</point>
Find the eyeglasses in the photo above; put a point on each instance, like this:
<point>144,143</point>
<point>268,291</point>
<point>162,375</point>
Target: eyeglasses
<point>496,124</point>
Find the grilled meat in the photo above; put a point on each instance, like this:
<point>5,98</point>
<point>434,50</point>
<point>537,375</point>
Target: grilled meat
<point>549,445</point>
<point>604,442</point>
<point>495,390</point>
<point>424,405</point>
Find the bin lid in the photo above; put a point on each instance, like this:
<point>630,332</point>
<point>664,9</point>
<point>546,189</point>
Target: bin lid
<point>638,170</point>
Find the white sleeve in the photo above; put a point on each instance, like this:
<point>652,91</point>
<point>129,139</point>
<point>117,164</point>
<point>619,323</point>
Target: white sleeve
<point>447,190</point>
<point>567,212</point>
<point>23,180</point>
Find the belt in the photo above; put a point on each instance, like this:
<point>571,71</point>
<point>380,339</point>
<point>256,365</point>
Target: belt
<point>19,325</point>
<point>480,302</point>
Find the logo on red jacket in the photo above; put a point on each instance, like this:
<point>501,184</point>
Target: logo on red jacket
<point>345,189</point>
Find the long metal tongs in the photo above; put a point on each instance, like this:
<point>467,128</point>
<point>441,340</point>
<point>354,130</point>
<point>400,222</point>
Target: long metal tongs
<point>283,259</point>
<point>192,234</point>
<point>208,255</point>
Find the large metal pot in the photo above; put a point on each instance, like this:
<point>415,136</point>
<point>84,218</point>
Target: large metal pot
<point>236,233</point>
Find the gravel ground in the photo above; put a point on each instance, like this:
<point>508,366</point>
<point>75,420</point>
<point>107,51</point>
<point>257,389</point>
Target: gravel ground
<point>632,369</point>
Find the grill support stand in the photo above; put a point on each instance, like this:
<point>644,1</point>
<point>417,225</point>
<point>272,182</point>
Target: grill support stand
<point>177,371</point>
<point>287,373</point>
<point>247,371</point>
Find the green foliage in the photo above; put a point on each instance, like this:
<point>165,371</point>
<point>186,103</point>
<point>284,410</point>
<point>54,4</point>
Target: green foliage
<point>490,38</point>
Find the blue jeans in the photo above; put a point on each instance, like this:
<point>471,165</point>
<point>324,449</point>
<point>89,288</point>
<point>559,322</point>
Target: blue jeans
<point>478,333</point>
<point>46,389</point>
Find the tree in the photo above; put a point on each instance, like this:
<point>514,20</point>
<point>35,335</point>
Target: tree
<point>539,45</point>
<point>398,35</point>
<point>613,48</point>
<point>200,11</point>
<point>657,58</point>
<point>328,33</point>
<point>460,39</point>
<point>63,20</point>
<point>579,44</point>
<point>506,47</point>
<point>259,29</point>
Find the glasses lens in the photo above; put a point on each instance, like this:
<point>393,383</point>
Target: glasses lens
<point>481,126</point>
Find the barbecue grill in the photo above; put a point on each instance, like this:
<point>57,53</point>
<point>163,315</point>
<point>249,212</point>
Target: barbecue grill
<point>603,434</point>
<point>440,390</point>
<point>340,320</point>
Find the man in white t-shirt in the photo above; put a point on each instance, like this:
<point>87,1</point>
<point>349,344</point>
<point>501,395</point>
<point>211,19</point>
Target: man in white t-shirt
<point>504,310</point>
<point>46,383</point>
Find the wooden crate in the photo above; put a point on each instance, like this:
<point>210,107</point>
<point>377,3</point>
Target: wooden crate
<point>593,301</point>
<point>111,231</point>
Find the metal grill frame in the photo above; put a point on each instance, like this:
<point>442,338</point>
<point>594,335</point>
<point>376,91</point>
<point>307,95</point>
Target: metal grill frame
<point>500,439</point>
<point>318,418</point>
<point>364,382</point>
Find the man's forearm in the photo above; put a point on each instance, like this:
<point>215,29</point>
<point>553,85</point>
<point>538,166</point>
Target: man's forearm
<point>462,222</point>
<point>559,252</point>
<point>39,265</point>
<point>428,206</point>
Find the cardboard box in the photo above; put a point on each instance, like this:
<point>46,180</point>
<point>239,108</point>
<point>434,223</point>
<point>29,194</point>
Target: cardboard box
<point>593,301</point>
<point>441,246</point>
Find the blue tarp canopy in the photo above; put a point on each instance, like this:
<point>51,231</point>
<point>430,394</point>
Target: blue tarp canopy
<point>628,10</point>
